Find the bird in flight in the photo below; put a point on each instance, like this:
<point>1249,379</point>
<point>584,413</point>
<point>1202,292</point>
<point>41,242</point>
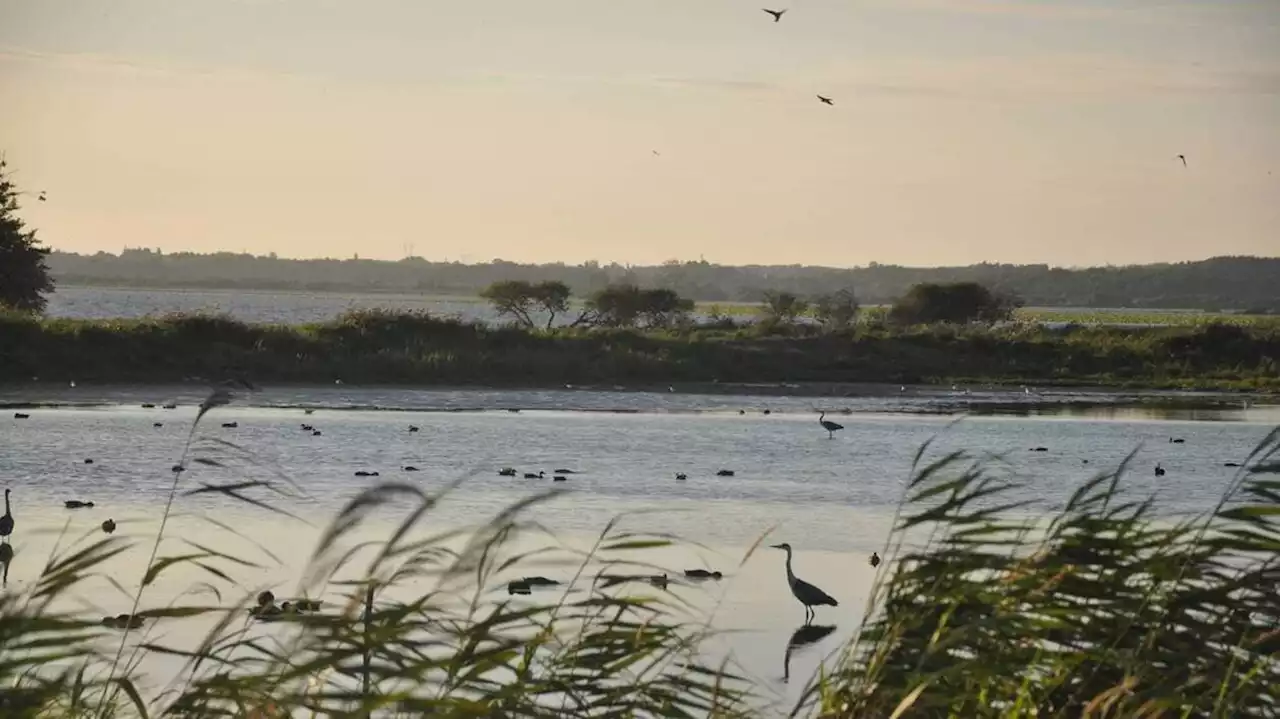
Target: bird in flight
<point>41,197</point>
<point>777,14</point>
<point>826,100</point>
<point>1184,160</point>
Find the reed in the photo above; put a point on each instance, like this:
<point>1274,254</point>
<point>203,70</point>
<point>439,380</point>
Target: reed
<point>1106,610</point>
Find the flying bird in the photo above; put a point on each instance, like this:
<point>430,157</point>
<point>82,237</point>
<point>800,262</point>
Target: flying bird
<point>777,14</point>
<point>1184,160</point>
<point>826,100</point>
<point>41,197</point>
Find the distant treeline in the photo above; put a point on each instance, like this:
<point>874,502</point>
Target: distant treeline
<point>1220,283</point>
<point>381,347</point>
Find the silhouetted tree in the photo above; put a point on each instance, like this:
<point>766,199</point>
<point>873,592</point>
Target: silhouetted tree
<point>783,308</point>
<point>24,277</point>
<point>626,305</point>
<point>956,302</point>
<point>836,311</point>
<point>518,300</point>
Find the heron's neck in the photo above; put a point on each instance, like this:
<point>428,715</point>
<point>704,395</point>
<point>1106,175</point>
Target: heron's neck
<point>6,501</point>
<point>790,575</point>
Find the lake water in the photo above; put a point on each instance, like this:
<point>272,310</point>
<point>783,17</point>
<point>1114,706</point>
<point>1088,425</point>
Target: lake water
<point>833,499</point>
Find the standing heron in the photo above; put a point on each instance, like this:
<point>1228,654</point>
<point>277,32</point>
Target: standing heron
<point>6,522</point>
<point>828,425</point>
<point>809,595</point>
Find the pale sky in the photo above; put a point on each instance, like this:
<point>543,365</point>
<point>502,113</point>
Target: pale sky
<point>962,131</point>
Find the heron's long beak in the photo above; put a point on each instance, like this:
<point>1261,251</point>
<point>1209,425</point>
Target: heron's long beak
<point>775,546</point>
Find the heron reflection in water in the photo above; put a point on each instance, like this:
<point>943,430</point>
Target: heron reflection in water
<point>804,636</point>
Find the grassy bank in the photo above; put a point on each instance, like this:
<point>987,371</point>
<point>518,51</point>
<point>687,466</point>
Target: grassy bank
<point>1105,613</point>
<point>408,348</point>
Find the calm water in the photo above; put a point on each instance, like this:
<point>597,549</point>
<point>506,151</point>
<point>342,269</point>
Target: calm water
<point>832,499</point>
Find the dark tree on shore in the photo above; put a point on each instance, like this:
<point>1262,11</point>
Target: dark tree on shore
<point>518,300</point>
<point>783,308</point>
<point>629,306</point>
<point>836,311</point>
<point>956,302</point>
<point>24,277</point>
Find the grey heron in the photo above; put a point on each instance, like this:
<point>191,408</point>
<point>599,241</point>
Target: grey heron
<point>809,595</point>
<point>777,14</point>
<point>6,522</point>
<point>828,425</point>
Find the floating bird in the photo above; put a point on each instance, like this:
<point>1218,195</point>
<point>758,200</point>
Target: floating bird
<point>169,406</point>
<point>123,621</point>
<point>518,587</point>
<point>540,582</point>
<point>702,574</point>
<point>725,473</point>
<point>506,472</point>
<point>531,475</point>
<point>20,415</point>
<point>826,100</point>
<point>413,428</point>
<point>809,595</point>
<point>828,425</point>
<point>777,14</point>
<point>410,468</point>
<point>178,469</point>
<point>681,476</point>
<point>1228,464</point>
<point>77,504</point>
<point>1184,160</point>
<point>363,473</point>
<point>1177,440</point>
<point>109,526</point>
<point>1039,449</point>
<point>317,433</point>
<point>767,412</point>
<point>6,522</point>
<point>875,560</point>
<point>563,471</point>
<point>1159,470</point>
<point>88,461</point>
<point>148,405</point>
<point>559,478</point>
<point>658,581</point>
<point>157,424</point>
<point>230,425</point>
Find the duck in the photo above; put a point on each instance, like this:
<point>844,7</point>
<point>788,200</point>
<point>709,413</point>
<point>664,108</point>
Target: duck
<point>1159,471</point>
<point>539,582</point>
<point>875,560</point>
<point>109,525</point>
<point>702,574</point>
<point>563,471</point>
<point>88,460</point>
<point>1177,440</point>
<point>530,475</point>
<point>506,472</point>
<point>21,415</point>
<point>157,424</point>
<point>123,621</point>
<point>413,428</point>
<point>178,469</point>
<point>1039,449</point>
<point>305,605</point>
<point>681,476</point>
<point>410,468</point>
<point>518,587</point>
<point>725,473</point>
<point>77,504</point>
<point>559,478</point>
<point>363,473</point>
<point>230,425</point>
<point>169,406</point>
<point>316,433</point>
<point>1231,464</point>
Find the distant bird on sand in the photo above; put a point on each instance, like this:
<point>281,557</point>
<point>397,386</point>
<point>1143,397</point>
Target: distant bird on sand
<point>828,425</point>
<point>809,595</point>
<point>1184,160</point>
<point>826,100</point>
<point>6,522</point>
<point>109,526</point>
<point>777,14</point>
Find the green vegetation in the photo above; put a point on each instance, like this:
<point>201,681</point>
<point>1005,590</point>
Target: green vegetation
<point>24,277</point>
<point>390,348</point>
<point>1219,283</point>
<point>1106,613</point>
<point>956,303</point>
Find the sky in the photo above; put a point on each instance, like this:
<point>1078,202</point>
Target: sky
<point>963,131</point>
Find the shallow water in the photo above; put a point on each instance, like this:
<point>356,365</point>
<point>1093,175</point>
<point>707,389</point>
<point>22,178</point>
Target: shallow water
<point>833,499</point>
